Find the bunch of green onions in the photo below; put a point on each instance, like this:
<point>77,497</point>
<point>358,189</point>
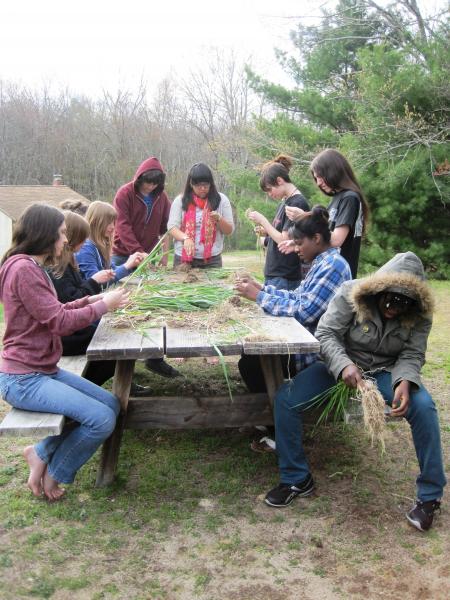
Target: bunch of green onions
<point>334,401</point>
<point>178,297</point>
<point>155,254</point>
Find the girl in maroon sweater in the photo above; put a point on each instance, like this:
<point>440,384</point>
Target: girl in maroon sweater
<point>29,376</point>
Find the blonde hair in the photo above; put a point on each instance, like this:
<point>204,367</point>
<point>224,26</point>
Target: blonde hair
<point>77,231</point>
<point>99,215</point>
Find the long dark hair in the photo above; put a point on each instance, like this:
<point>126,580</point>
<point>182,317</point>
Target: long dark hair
<point>200,173</point>
<point>151,176</point>
<point>278,167</point>
<point>335,169</point>
<point>312,222</point>
<point>36,232</point>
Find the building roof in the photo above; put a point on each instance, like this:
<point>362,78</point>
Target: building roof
<point>14,199</point>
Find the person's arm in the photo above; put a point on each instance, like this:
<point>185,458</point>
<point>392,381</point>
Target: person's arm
<point>175,218</point>
<point>124,270</point>
<point>174,227</point>
<point>400,401</point>
<point>224,216</point>
<point>163,229</point>
<point>39,299</point>
<point>124,228</point>
<point>248,288</point>
<point>89,260</point>
<point>411,358</point>
<point>187,242</point>
<point>331,330</point>
<point>295,213</point>
<point>260,219</point>
<point>222,224</point>
<point>70,287</point>
<point>345,218</point>
<point>283,303</point>
<point>165,246</point>
<point>313,295</point>
<point>177,234</point>
<point>295,208</point>
<point>339,235</point>
<point>286,246</point>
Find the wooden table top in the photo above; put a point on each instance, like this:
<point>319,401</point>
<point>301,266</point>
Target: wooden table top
<point>280,335</point>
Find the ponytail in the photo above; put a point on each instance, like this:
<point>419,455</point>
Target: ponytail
<point>312,222</point>
<point>278,167</point>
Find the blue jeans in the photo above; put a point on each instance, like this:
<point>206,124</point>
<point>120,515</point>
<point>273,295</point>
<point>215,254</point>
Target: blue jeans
<point>93,408</point>
<point>117,260</point>
<point>281,283</point>
<point>421,415</point>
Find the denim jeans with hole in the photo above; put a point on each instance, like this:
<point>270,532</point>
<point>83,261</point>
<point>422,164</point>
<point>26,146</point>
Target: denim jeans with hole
<point>421,416</point>
<point>94,409</point>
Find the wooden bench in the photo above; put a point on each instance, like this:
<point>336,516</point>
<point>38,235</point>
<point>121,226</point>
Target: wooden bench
<point>26,423</point>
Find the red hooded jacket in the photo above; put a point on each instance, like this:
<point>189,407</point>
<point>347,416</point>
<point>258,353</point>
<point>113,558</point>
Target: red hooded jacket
<point>134,231</point>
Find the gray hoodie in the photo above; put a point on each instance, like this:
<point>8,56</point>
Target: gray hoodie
<point>352,331</point>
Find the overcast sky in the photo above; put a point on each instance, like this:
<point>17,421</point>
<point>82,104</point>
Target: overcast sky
<point>90,45</point>
<point>93,44</point>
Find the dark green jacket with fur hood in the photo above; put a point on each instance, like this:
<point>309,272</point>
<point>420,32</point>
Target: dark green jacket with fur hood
<point>352,331</point>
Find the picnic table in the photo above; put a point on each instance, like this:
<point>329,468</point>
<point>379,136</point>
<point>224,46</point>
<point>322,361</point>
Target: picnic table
<point>283,335</point>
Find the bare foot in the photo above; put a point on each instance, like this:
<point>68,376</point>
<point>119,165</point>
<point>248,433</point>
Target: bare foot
<point>51,488</point>
<point>37,468</point>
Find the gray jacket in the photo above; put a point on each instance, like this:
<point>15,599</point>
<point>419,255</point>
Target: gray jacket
<point>352,331</point>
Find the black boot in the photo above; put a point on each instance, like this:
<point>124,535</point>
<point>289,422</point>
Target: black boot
<point>159,366</point>
<point>137,390</point>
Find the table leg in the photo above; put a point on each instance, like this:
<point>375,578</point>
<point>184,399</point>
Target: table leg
<point>273,374</point>
<point>111,448</point>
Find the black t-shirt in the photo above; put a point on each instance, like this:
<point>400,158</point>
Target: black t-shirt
<point>346,209</point>
<point>278,264</point>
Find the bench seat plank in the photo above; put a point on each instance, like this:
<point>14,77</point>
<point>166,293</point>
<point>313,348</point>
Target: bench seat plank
<point>74,364</point>
<point>27,423</point>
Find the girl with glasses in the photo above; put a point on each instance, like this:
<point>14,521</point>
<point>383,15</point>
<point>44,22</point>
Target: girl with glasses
<point>199,220</point>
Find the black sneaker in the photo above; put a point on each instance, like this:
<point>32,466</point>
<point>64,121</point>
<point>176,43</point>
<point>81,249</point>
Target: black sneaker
<point>421,515</point>
<point>137,390</point>
<point>283,494</point>
<point>159,366</point>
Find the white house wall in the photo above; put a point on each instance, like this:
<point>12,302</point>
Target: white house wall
<point>5,233</point>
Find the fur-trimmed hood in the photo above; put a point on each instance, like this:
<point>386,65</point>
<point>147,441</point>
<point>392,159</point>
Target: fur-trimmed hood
<point>403,274</point>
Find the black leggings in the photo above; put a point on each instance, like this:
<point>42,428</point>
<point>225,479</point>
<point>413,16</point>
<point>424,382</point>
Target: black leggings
<point>97,371</point>
<point>252,373</point>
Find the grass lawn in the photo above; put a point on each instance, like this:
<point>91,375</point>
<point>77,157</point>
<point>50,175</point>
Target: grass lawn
<point>185,518</point>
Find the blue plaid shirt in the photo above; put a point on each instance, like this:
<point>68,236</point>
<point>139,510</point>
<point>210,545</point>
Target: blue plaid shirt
<point>310,300</point>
